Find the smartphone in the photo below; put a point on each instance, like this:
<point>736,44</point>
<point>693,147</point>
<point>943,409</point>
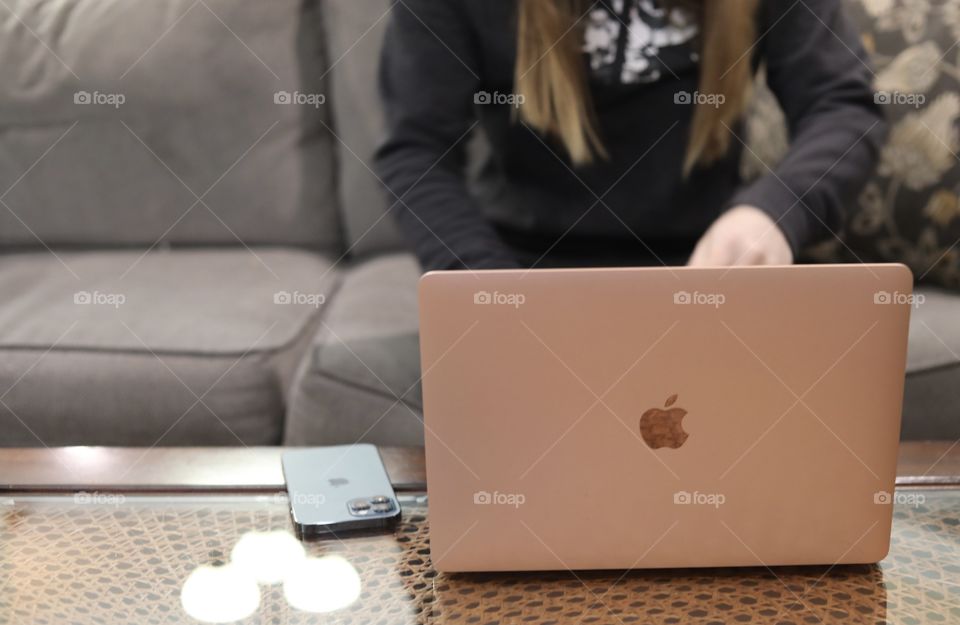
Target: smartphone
<point>338,490</point>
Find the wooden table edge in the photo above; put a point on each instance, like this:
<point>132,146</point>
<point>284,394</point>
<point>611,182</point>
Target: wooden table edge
<point>257,469</point>
<point>173,469</point>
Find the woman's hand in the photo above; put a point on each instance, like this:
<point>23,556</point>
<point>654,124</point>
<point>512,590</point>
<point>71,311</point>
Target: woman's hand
<point>744,235</point>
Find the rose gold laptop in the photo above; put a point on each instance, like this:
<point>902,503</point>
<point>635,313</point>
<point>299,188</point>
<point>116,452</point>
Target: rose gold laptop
<point>667,417</point>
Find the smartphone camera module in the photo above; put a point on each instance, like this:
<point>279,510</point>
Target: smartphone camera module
<point>371,506</point>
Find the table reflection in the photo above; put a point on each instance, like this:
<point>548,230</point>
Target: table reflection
<point>223,593</point>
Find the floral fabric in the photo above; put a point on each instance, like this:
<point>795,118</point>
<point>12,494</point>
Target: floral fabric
<point>909,211</point>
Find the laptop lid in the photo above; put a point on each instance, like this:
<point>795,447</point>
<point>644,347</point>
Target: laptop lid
<point>662,417</point>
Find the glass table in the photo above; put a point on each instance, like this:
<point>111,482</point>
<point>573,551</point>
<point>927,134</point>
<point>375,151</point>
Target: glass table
<point>97,557</point>
<point>131,556</point>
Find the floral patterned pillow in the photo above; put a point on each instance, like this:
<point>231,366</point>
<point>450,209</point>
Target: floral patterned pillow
<point>909,210</point>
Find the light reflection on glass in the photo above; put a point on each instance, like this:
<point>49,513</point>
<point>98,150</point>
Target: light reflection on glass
<point>322,584</point>
<point>268,556</point>
<point>84,452</point>
<point>83,456</point>
<point>220,594</point>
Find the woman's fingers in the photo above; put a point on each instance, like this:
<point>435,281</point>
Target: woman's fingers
<point>700,253</point>
<point>742,236</point>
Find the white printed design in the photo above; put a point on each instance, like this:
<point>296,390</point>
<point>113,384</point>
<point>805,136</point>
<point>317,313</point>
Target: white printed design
<point>652,32</point>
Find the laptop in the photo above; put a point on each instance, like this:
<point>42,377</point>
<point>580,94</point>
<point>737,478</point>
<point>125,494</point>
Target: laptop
<point>662,417</point>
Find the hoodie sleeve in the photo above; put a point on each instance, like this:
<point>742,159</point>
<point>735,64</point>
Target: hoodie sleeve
<point>429,74</point>
<point>817,68</point>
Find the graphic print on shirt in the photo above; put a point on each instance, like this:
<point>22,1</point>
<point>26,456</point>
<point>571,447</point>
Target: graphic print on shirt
<point>637,41</point>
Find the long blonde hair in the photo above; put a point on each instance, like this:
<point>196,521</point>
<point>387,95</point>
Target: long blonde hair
<point>551,75</point>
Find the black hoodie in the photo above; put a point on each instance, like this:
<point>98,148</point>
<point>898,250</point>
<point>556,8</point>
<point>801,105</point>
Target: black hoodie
<point>449,64</point>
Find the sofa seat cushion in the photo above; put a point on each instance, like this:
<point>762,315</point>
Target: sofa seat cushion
<point>363,380</point>
<point>931,408</point>
<point>170,347</point>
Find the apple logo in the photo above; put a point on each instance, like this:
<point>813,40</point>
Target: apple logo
<point>338,481</point>
<point>662,427</point>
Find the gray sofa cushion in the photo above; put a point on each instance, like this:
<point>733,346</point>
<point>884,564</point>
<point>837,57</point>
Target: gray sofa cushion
<point>117,348</point>
<point>931,407</point>
<point>199,117</point>
<point>363,382</point>
<point>366,356</point>
<point>354,34</point>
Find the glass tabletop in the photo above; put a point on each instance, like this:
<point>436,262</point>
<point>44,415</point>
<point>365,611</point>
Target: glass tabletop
<point>112,558</point>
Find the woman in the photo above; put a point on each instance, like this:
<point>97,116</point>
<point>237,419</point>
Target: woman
<point>614,129</point>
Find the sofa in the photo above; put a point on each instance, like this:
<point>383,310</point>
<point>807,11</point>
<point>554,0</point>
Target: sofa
<point>185,233</point>
<point>196,251</point>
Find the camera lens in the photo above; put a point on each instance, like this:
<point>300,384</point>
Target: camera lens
<point>382,507</point>
<point>380,499</point>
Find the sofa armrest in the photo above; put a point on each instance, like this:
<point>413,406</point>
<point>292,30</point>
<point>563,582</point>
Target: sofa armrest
<point>361,379</point>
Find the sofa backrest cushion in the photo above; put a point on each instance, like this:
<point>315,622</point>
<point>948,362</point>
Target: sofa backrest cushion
<point>354,36</point>
<point>164,122</point>
<point>909,211</point>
